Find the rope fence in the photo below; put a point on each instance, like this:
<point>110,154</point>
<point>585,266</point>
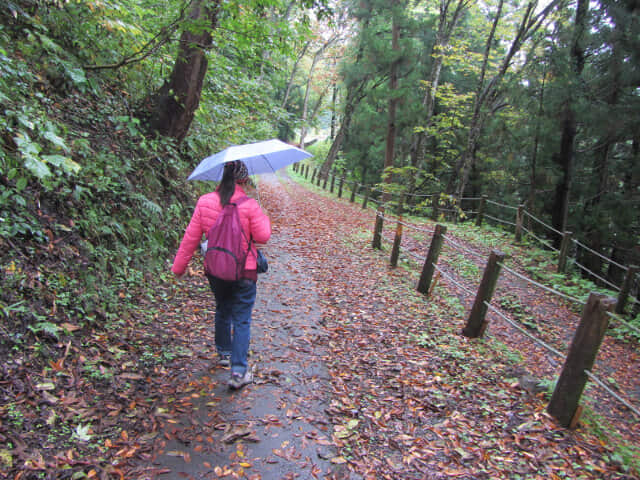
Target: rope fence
<point>567,256</point>
<point>501,205</point>
<point>591,272</point>
<point>499,220</point>
<point>524,331</point>
<point>597,311</point>
<point>544,242</point>
<point>549,227</point>
<point>461,248</point>
<point>613,262</point>
<point>602,385</point>
<point>539,285</point>
<point>452,280</point>
<point>618,319</point>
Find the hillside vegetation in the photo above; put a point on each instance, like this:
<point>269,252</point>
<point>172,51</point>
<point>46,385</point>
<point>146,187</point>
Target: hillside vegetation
<point>93,201</point>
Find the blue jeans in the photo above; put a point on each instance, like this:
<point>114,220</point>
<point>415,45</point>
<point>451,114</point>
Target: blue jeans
<point>234,303</point>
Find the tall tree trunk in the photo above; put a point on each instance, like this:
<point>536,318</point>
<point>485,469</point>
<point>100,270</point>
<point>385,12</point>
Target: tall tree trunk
<point>602,160</point>
<point>445,30</point>
<point>565,157</point>
<point>536,143</point>
<point>486,94</point>
<point>464,162</point>
<point>316,57</point>
<point>355,93</point>
<point>391,124</point>
<point>334,100</point>
<point>393,101</point>
<point>293,74</point>
<point>174,105</point>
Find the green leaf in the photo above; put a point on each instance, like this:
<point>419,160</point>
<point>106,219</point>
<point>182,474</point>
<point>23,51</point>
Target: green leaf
<point>77,76</point>
<point>26,146</point>
<point>21,183</point>
<point>37,167</point>
<point>68,165</point>
<point>56,140</point>
<point>50,45</point>
<point>25,121</point>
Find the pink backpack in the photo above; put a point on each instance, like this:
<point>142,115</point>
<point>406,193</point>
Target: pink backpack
<point>225,256</point>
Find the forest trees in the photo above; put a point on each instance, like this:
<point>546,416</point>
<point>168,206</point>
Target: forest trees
<point>523,101</point>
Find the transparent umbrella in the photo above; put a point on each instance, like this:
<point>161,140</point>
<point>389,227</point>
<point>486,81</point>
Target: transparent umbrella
<point>261,157</point>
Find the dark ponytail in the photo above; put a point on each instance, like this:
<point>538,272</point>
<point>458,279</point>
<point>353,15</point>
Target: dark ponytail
<point>227,184</point>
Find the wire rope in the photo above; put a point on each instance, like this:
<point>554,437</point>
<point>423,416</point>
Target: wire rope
<point>502,205</point>
<point>499,220</point>
<point>600,383</point>
<point>544,287</point>
<point>600,255</point>
<point>460,247</point>
<point>544,242</point>
<point>626,324</point>
<point>523,331</point>
<point>598,276</point>
<point>542,223</point>
<point>450,278</point>
<point>414,255</point>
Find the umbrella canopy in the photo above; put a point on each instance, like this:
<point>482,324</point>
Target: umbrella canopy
<point>261,157</point>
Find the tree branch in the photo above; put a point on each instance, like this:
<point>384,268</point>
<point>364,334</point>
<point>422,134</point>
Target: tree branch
<point>149,48</point>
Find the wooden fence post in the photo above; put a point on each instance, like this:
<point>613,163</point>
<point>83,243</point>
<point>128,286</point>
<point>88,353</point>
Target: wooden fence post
<point>367,192</point>
<point>434,206</point>
<point>432,259</point>
<point>306,172</point>
<point>333,181</point>
<point>319,178</point>
<point>476,323</point>
<point>397,241</point>
<point>483,201</point>
<point>313,175</point>
<point>354,190</point>
<point>564,250</point>
<point>454,207</point>
<point>564,404</point>
<point>626,288</point>
<point>340,187</point>
<point>519,220</point>
<point>326,179</point>
<point>377,230</point>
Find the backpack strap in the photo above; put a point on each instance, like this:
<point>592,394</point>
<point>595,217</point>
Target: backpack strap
<point>236,204</point>
<point>240,200</point>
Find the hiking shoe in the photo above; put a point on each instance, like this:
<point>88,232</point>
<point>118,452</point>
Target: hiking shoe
<point>237,380</point>
<point>224,360</point>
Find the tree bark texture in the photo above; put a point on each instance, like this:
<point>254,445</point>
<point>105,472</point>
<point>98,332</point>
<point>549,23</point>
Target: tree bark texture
<point>174,105</point>
<point>565,156</point>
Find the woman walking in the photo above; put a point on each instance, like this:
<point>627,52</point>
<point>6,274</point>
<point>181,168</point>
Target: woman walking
<point>234,299</point>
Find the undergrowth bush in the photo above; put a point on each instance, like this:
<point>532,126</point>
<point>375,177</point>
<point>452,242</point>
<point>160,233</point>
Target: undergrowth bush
<point>90,208</point>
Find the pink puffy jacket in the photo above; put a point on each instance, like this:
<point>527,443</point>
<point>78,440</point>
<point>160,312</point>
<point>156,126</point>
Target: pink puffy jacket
<point>254,223</point>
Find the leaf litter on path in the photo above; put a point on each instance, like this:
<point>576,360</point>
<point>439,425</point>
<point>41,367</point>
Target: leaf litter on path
<point>358,376</point>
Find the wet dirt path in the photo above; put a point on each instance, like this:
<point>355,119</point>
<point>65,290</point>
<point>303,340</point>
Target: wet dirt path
<point>275,428</point>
